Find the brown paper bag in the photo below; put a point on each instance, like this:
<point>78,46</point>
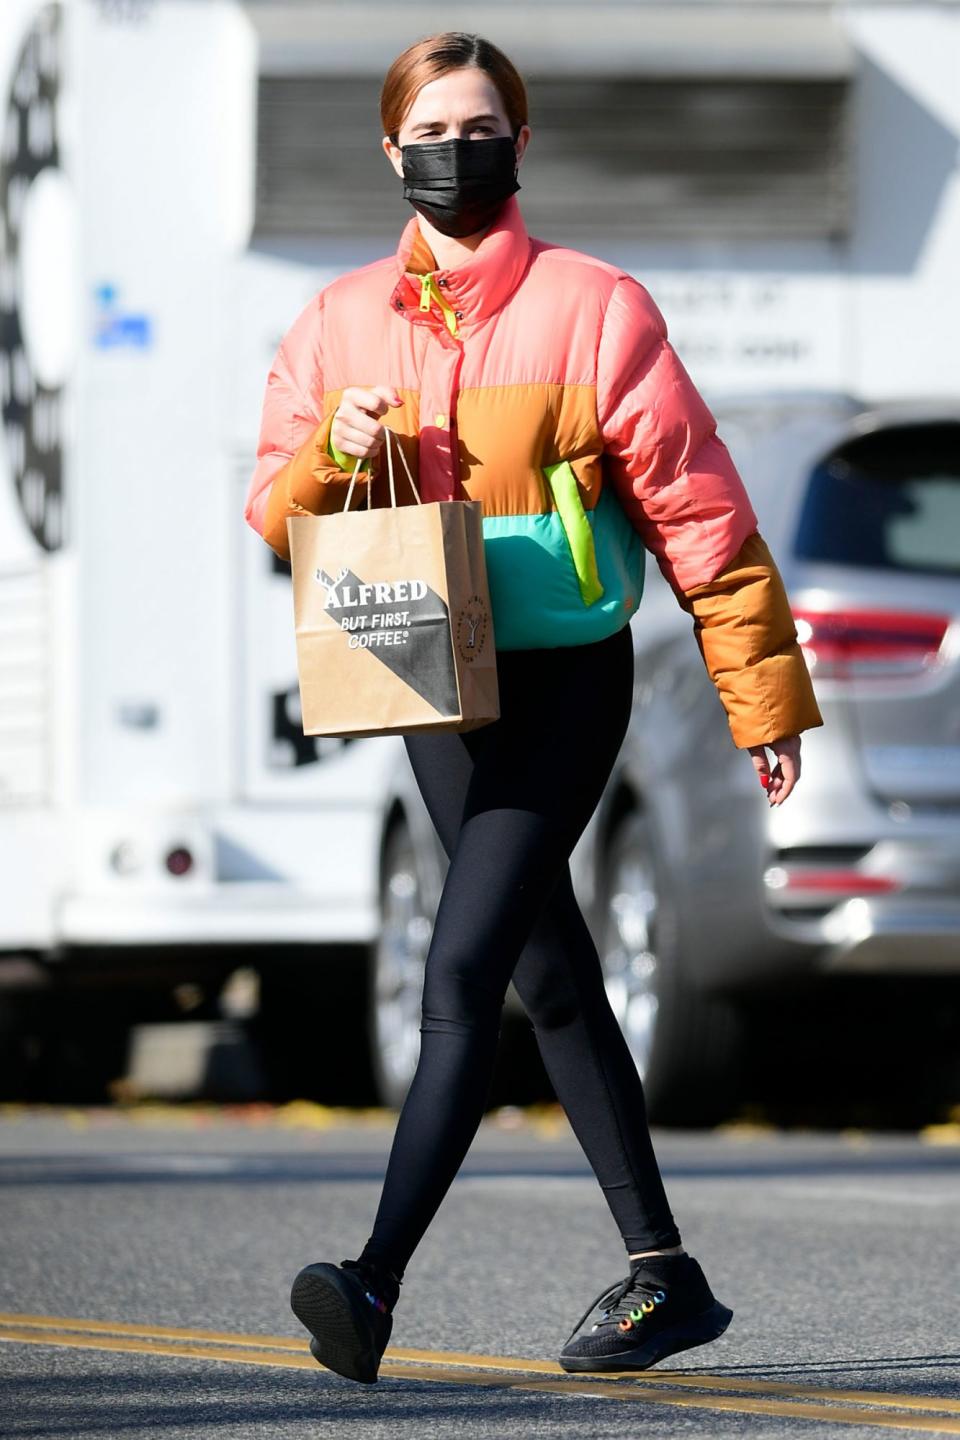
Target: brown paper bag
<point>394,631</point>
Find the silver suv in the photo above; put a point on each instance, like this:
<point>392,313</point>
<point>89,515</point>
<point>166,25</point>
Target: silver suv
<point>701,897</point>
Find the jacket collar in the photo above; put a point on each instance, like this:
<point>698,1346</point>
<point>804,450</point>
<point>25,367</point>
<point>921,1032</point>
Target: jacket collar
<point>481,283</point>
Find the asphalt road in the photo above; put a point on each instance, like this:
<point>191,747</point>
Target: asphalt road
<point>148,1259</point>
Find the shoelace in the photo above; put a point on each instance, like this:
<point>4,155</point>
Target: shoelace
<point>628,1303</point>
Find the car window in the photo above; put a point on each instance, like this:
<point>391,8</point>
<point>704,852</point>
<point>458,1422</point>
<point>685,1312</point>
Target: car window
<point>889,500</point>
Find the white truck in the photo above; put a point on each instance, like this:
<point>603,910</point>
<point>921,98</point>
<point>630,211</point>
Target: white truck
<point>177,178</point>
<point>162,817</point>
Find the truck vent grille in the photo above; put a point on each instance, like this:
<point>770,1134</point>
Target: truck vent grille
<point>24,688</point>
<point>613,158</point>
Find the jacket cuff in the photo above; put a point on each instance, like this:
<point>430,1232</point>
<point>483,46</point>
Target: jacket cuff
<point>313,483</point>
<point>746,635</point>
<point>341,458</point>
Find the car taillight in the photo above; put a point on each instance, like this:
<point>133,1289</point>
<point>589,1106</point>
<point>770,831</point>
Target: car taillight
<point>855,644</point>
<point>839,882</point>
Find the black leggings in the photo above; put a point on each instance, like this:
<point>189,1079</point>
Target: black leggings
<point>509,802</point>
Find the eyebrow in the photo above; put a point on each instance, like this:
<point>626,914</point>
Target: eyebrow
<point>428,124</point>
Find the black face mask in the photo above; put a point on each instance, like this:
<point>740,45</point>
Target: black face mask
<point>460,185</point>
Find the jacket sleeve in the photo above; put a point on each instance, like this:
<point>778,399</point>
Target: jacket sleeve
<point>295,473</point>
<point>745,631</point>
<point>683,494</point>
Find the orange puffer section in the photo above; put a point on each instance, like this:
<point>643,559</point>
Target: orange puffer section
<point>745,630</point>
<point>508,433</point>
<point>311,482</point>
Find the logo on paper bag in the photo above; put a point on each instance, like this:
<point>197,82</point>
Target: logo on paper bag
<point>473,622</point>
<point>404,623</point>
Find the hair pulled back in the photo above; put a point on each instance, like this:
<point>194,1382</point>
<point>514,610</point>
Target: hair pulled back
<point>434,56</point>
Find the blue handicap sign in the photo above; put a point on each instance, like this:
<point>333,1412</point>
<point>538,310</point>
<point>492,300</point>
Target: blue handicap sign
<point>113,328</point>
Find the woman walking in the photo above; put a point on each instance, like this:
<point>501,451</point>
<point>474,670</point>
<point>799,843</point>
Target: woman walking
<point>539,380</point>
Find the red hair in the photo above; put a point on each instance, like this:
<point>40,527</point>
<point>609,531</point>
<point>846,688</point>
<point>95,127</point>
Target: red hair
<point>434,56</point>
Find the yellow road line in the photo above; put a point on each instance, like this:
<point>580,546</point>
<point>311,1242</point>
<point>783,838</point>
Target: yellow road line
<point>511,1364</point>
<point>806,1402</point>
<point>241,1354</point>
<point>150,1332</point>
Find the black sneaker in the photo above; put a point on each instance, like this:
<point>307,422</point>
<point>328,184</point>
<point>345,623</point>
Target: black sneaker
<point>663,1305</point>
<point>348,1310</point>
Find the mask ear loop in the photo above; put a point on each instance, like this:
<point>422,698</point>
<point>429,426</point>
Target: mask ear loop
<point>389,438</point>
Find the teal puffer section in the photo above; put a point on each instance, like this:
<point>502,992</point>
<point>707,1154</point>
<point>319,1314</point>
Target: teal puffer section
<point>534,591</point>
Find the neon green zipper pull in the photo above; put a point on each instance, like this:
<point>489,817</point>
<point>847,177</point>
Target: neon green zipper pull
<point>429,292</point>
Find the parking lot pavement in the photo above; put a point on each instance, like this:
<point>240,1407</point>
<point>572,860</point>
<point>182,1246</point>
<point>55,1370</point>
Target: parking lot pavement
<point>149,1254</point>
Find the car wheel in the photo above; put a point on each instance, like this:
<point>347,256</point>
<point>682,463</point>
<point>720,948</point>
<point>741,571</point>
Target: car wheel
<point>685,1043</point>
<point>396,971</point>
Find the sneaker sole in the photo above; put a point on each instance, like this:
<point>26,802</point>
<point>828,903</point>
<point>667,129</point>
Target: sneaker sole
<point>698,1330</point>
<point>322,1302</point>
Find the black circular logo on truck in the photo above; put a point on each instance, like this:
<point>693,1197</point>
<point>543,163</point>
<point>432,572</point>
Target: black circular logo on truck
<point>32,412</point>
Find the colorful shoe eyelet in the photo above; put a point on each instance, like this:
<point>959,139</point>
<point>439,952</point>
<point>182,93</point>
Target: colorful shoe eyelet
<point>636,1315</point>
<point>646,1306</point>
<point>659,1297</point>
<point>625,1324</point>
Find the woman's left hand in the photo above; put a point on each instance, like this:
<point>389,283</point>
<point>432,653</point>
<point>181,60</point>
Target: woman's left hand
<point>780,781</point>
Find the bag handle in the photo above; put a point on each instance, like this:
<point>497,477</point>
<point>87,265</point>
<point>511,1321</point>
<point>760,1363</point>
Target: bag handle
<point>388,438</point>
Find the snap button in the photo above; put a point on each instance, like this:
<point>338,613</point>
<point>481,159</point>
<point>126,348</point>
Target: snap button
<point>399,304</point>
<point>441,420</point>
<point>459,314</point>
<point>442,283</point>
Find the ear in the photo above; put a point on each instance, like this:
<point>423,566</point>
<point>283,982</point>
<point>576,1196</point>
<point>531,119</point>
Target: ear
<point>522,140</point>
<point>393,154</point>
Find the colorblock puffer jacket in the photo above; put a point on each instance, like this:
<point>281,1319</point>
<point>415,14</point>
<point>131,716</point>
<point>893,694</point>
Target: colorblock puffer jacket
<point>541,382</point>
